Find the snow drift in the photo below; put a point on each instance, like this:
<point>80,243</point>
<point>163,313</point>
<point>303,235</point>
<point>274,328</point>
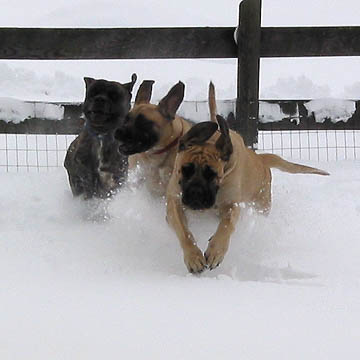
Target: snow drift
<point>74,288</point>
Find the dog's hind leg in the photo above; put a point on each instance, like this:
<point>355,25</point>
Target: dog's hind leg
<point>76,186</point>
<point>262,202</point>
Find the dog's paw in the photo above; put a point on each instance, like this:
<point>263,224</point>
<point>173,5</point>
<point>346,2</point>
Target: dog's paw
<point>214,254</point>
<point>195,260</point>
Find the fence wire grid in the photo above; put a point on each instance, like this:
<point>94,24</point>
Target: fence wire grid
<point>314,145</point>
<point>32,153</point>
<point>41,153</point>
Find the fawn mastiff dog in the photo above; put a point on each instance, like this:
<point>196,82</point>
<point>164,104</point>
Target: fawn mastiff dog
<point>214,169</point>
<point>93,162</point>
<point>151,133</point>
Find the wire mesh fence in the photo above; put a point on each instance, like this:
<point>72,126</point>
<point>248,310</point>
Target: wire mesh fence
<point>38,153</point>
<point>315,145</point>
<point>35,145</point>
<point>32,153</point>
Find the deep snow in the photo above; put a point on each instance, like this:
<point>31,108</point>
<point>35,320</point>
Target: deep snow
<point>74,289</point>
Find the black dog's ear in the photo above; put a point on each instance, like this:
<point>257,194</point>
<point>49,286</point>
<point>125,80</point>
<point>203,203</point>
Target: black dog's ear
<point>198,134</point>
<point>88,81</point>
<point>130,84</point>
<point>143,95</point>
<point>223,143</point>
<point>171,102</point>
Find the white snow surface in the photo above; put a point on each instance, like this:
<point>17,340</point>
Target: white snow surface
<point>13,110</point>
<point>72,288</point>
<point>334,109</point>
<point>323,109</point>
<point>269,112</point>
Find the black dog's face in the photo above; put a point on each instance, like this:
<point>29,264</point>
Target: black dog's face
<point>106,104</point>
<point>139,133</point>
<point>199,185</point>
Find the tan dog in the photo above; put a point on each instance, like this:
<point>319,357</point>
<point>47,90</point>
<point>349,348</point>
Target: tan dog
<point>214,169</point>
<point>151,133</point>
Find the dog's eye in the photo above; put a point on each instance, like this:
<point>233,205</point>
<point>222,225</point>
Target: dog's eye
<point>188,170</point>
<point>209,173</point>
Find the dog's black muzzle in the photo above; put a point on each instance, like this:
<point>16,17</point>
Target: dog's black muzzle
<point>100,123</point>
<point>101,114</point>
<point>101,119</point>
<point>136,138</point>
<point>199,195</point>
<point>129,142</point>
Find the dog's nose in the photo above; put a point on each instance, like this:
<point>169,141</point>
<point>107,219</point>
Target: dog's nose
<point>123,134</point>
<point>100,99</point>
<point>196,192</point>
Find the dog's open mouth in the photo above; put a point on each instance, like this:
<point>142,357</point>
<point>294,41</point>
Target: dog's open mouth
<point>100,118</point>
<point>98,112</point>
<point>197,204</point>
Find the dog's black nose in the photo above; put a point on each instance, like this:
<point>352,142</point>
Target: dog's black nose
<point>196,192</point>
<point>100,99</point>
<point>123,135</point>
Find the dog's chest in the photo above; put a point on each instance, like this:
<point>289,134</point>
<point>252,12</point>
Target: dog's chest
<point>103,162</point>
<point>155,172</point>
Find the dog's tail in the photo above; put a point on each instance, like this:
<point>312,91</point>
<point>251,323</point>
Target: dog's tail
<point>274,161</point>
<point>212,102</point>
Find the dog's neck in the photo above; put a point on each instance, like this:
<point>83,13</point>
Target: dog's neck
<point>108,135</point>
<point>229,167</point>
<point>177,133</point>
<point>230,164</point>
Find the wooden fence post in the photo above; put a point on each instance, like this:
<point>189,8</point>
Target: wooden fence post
<point>248,39</point>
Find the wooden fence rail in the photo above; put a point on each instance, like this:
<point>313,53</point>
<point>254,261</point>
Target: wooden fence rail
<point>253,43</point>
<point>173,43</point>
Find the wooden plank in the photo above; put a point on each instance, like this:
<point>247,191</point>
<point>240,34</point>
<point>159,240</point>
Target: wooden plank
<point>247,104</point>
<point>310,41</point>
<point>119,43</point>
<point>43,126</point>
<point>177,43</point>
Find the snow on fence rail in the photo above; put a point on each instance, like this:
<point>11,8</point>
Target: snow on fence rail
<point>34,136</point>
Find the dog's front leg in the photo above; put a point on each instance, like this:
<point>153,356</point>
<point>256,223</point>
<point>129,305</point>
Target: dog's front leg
<point>219,243</point>
<point>193,256</point>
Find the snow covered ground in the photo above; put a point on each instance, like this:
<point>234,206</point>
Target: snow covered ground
<point>72,288</point>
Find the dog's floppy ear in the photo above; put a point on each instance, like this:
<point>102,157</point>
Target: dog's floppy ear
<point>223,143</point>
<point>171,102</point>
<point>88,81</point>
<point>198,134</point>
<point>130,84</point>
<point>143,95</point>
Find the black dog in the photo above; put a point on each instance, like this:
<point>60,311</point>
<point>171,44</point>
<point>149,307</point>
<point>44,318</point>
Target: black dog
<point>93,162</point>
